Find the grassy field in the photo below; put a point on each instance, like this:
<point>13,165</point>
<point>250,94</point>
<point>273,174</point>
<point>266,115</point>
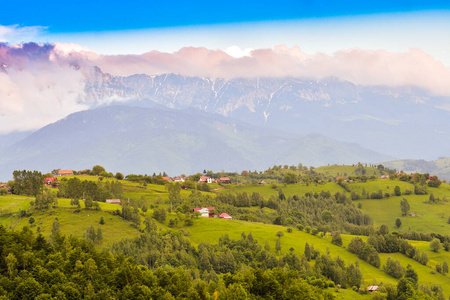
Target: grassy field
<point>72,223</point>
<point>429,217</point>
<point>341,170</point>
<point>11,204</point>
<point>385,185</point>
<point>289,190</point>
<point>424,272</point>
<point>114,229</point>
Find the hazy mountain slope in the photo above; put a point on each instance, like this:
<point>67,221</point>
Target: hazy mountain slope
<point>440,167</point>
<point>147,140</point>
<point>401,121</point>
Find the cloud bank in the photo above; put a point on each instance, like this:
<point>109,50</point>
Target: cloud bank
<point>40,84</point>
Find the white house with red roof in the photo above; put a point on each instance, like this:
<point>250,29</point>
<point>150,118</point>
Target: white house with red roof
<point>206,212</point>
<point>205,179</point>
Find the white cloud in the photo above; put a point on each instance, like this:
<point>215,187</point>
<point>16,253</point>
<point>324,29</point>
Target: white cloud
<point>18,34</point>
<point>236,51</point>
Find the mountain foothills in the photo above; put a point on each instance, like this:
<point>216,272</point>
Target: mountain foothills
<point>158,139</point>
<point>290,232</point>
<point>404,122</point>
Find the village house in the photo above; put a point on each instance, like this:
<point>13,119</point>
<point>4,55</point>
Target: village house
<point>224,180</point>
<point>205,179</point>
<point>384,176</point>
<point>49,180</point>
<point>206,212</point>
<point>179,179</point>
<point>373,288</point>
<point>113,201</point>
<point>167,178</point>
<point>65,172</point>
<point>225,216</point>
<point>263,183</point>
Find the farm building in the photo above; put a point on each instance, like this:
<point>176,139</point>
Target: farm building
<point>113,201</point>
<point>225,180</point>
<point>225,216</point>
<point>49,180</point>
<point>373,288</point>
<point>205,179</point>
<point>179,179</point>
<point>65,172</point>
<point>206,212</point>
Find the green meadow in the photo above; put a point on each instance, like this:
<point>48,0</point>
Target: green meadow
<point>268,190</point>
<point>345,170</point>
<point>429,217</point>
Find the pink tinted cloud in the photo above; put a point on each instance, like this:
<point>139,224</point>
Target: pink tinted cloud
<point>40,84</point>
<point>366,67</point>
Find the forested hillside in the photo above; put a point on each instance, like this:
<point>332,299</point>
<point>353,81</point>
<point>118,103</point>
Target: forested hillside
<point>321,232</point>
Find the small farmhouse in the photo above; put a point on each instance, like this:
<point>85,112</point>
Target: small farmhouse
<point>206,212</point>
<point>65,172</point>
<point>384,176</point>
<point>225,180</point>
<point>113,201</point>
<point>179,179</point>
<point>263,183</point>
<point>167,178</point>
<point>205,179</point>
<point>225,216</point>
<point>373,288</point>
<point>49,180</point>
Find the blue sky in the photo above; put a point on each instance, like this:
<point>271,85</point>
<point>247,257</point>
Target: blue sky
<point>136,27</point>
<point>93,16</point>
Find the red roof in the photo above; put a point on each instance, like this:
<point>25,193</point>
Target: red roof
<point>224,179</point>
<point>224,215</point>
<point>65,172</point>
<point>203,178</point>
<point>47,179</point>
<point>166,178</point>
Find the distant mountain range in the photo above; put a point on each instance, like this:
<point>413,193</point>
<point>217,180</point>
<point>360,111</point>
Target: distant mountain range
<point>401,121</point>
<point>179,124</point>
<point>146,140</point>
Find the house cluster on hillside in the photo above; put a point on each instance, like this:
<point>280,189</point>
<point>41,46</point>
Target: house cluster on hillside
<point>207,179</point>
<point>175,179</point>
<point>208,212</point>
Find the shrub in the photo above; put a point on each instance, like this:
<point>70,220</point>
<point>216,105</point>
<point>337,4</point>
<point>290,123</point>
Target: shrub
<point>337,239</point>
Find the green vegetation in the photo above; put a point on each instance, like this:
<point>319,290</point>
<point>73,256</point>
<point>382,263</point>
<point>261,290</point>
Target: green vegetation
<point>336,229</point>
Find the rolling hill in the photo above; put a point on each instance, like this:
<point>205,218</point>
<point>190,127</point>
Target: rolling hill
<point>146,140</point>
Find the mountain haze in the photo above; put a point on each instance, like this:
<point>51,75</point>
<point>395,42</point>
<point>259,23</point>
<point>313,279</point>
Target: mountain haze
<point>146,140</point>
<point>403,121</point>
